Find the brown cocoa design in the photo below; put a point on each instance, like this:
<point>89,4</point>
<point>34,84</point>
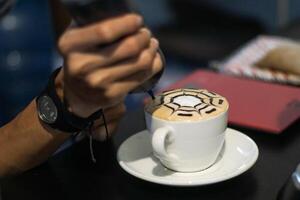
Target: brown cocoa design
<point>187,105</point>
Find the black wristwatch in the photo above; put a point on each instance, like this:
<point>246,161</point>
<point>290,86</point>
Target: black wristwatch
<point>53,112</point>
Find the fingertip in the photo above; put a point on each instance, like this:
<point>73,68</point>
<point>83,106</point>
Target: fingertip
<point>138,19</point>
<point>155,43</point>
<point>146,31</point>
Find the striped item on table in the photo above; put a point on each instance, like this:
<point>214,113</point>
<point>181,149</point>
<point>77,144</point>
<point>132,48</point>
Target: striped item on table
<point>241,63</point>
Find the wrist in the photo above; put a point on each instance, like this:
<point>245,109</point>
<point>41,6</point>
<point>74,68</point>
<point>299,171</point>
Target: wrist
<point>71,102</point>
<point>52,110</point>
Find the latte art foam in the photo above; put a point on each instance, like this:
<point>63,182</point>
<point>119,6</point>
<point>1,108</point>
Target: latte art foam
<point>187,105</point>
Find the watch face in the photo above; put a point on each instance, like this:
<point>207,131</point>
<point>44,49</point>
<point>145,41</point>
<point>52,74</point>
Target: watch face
<point>47,110</point>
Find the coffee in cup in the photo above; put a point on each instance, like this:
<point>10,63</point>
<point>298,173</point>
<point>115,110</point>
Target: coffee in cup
<point>188,128</point>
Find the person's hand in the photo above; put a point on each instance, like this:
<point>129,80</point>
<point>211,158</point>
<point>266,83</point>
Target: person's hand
<point>105,61</point>
<point>112,114</point>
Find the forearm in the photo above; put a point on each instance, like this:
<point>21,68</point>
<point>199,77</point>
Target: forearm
<point>25,142</point>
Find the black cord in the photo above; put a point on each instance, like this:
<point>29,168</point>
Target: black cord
<point>91,137</point>
<point>101,113</point>
<point>105,125</point>
<point>91,141</point>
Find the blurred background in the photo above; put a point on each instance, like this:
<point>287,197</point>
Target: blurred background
<point>192,34</point>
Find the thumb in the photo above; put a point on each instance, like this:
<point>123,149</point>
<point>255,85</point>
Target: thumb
<point>99,132</point>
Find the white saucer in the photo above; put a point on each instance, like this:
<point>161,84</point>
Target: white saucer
<point>238,154</point>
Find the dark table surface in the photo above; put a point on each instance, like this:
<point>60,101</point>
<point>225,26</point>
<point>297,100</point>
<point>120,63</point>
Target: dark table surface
<point>71,174</point>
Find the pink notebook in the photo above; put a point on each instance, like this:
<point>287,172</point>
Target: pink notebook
<point>254,104</point>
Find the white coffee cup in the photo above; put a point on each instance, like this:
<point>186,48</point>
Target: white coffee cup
<point>187,146</point>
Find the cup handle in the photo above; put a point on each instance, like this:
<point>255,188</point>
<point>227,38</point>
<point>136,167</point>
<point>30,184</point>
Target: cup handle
<point>159,140</point>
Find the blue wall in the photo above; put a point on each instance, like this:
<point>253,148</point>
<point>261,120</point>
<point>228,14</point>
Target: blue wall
<point>25,55</point>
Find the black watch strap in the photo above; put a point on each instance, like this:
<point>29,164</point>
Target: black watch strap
<point>66,121</point>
